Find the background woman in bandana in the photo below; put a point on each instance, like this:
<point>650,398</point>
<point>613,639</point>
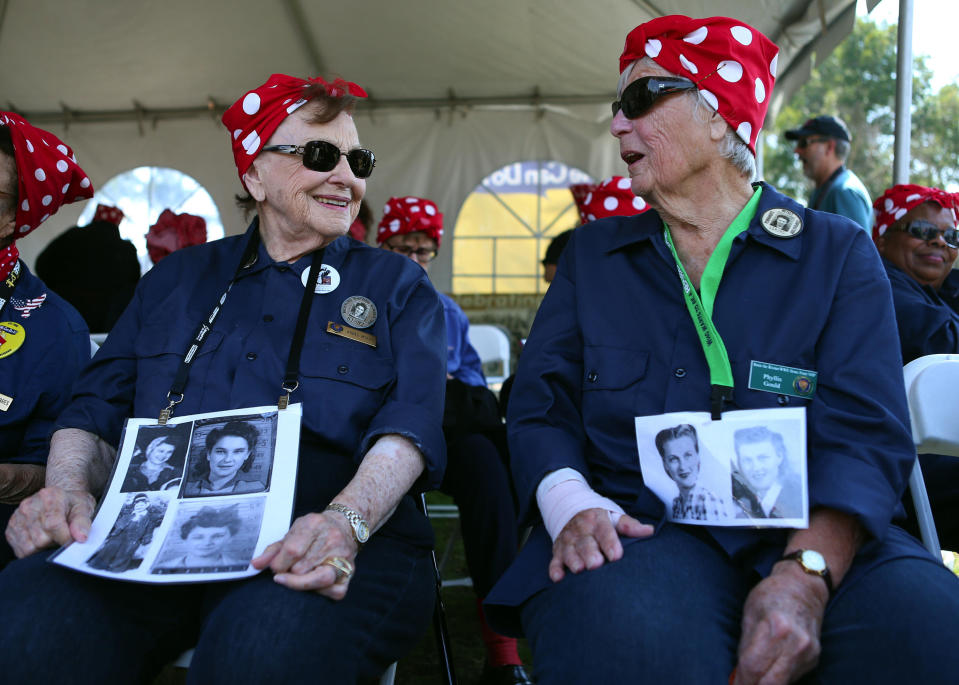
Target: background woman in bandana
<point>607,590</point>
<point>372,426</point>
<point>43,340</point>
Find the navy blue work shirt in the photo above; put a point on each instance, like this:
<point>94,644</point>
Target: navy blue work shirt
<point>928,319</point>
<point>352,393</point>
<point>613,340</point>
<point>39,375</point>
<point>462,360</point>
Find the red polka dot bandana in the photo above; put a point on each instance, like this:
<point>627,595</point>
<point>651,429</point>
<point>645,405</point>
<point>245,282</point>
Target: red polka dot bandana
<point>612,197</point>
<point>893,204</point>
<point>253,118</point>
<point>113,215</point>
<point>174,231</point>
<point>408,215</point>
<point>732,64</point>
<point>48,174</point>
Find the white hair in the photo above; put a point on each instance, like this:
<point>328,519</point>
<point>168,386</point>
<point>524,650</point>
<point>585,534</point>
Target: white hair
<point>731,147</point>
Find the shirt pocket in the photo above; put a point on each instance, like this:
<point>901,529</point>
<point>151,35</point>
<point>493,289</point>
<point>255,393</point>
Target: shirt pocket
<point>160,351</point>
<point>612,368</point>
<point>342,390</point>
<point>613,380</point>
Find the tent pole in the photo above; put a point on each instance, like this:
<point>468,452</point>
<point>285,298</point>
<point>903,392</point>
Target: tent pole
<point>900,173</point>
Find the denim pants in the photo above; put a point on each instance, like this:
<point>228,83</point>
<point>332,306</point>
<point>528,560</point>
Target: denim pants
<point>62,626</point>
<point>669,611</point>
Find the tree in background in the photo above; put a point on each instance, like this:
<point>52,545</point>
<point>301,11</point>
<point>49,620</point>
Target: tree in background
<point>857,82</point>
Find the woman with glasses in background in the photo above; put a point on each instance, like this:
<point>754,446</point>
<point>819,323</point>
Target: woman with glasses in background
<point>677,310</point>
<point>370,380</point>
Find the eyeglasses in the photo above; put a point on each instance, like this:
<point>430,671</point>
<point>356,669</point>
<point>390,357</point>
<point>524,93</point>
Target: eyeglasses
<point>322,155</point>
<point>420,254</point>
<point>640,95</point>
<point>803,143</point>
<point>926,230</point>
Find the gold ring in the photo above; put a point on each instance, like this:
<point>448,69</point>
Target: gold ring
<point>343,567</point>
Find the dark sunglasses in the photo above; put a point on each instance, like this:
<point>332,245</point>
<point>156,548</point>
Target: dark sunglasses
<point>322,155</point>
<point>641,94</point>
<point>803,143</point>
<point>925,230</point>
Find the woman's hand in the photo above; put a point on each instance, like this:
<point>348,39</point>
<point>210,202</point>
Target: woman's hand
<point>51,517</point>
<point>589,539</point>
<point>782,619</point>
<point>298,559</point>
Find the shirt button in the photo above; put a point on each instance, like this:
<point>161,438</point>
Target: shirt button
<point>782,399</point>
<point>283,268</point>
<point>342,368</point>
<point>592,376</point>
<point>251,355</point>
<point>680,373</point>
<point>268,318</point>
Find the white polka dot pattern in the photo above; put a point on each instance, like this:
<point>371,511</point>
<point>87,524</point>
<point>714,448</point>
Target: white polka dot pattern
<point>612,197</point>
<point>410,214</point>
<point>896,202</point>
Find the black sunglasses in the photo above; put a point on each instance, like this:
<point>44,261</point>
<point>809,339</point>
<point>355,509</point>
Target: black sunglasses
<point>322,155</point>
<point>643,93</point>
<point>803,143</point>
<point>925,230</point>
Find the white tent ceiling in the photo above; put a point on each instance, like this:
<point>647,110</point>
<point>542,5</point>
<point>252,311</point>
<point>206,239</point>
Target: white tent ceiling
<point>458,89</point>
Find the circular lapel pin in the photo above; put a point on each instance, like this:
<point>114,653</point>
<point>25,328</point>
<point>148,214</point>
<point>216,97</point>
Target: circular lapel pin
<point>781,223</point>
<point>358,311</point>
<point>326,282</point>
<point>12,336</point>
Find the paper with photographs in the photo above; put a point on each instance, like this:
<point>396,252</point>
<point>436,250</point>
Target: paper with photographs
<point>194,500</point>
<point>747,469</point>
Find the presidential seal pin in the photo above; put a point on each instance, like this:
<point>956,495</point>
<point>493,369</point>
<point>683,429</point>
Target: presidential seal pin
<point>12,336</point>
<point>358,311</point>
<point>781,223</point>
<point>326,282</point>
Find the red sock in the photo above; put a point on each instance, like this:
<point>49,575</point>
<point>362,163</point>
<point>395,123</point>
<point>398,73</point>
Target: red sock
<point>500,650</point>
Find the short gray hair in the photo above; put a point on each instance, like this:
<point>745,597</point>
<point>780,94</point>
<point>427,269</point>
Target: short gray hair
<point>842,148</point>
<point>731,147</point>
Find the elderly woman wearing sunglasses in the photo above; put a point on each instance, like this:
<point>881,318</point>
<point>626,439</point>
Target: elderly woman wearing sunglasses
<point>370,379</point>
<point>677,310</point>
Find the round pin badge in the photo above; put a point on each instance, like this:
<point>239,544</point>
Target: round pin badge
<point>327,282</point>
<point>781,223</point>
<point>358,311</point>
<point>12,336</point>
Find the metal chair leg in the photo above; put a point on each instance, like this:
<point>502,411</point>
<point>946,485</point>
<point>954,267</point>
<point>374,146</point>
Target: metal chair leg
<point>444,651</point>
<point>920,499</point>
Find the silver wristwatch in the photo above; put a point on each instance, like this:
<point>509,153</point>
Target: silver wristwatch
<point>361,530</point>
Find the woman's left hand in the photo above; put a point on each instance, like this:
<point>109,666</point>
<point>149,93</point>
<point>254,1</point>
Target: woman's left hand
<point>782,619</point>
<point>298,559</point>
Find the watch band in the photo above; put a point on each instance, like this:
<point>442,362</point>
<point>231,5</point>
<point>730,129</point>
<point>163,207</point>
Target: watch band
<point>813,563</point>
<point>361,530</point>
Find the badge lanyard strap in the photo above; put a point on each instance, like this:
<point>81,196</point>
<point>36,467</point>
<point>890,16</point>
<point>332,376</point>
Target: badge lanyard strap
<point>701,310</point>
<point>8,285</point>
<point>290,382</point>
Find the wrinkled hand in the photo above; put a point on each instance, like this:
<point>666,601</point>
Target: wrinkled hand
<point>782,619</point>
<point>50,517</point>
<point>589,539</point>
<point>297,559</point>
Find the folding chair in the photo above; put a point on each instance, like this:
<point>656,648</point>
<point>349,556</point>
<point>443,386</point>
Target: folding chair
<point>932,388</point>
<point>492,344</point>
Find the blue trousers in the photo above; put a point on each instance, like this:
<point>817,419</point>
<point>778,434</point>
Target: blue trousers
<point>669,612</point>
<point>62,626</point>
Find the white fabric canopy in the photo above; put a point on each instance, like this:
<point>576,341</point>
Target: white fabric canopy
<point>458,89</point>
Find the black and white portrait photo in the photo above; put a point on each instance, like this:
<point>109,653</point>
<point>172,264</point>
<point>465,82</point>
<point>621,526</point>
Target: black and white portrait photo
<point>158,458</point>
<point>211,538</point>
<point>679,448</point>
<point>232,457</point>
<point>764,484</point>
<point>126,543</point>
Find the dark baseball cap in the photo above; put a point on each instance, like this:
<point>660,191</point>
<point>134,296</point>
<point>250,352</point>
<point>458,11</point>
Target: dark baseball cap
<point>825,125</point>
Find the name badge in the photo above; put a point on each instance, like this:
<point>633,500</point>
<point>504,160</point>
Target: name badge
<point>351,333</point>
<point>5,402</point>
<point>782,380</point>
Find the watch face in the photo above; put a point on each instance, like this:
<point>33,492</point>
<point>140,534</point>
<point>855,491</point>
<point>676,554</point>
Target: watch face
<point>814,561</point>
<point>362,533</point>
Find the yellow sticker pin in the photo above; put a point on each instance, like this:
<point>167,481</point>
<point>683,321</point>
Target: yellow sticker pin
<point>12,336</point>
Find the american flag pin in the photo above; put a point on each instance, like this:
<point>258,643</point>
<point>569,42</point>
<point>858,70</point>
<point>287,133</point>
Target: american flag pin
<point>27,306</point>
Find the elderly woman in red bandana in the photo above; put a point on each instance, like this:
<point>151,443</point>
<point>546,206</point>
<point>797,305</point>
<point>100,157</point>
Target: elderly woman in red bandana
<point>292,308</point>
<point>679,311</point>
<point>44,342</point>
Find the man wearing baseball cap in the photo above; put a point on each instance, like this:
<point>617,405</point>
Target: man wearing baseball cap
<point>822,145</point>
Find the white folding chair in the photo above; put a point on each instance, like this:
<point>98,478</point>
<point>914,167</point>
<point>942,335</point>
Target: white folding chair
<point>932,389</point>
<point>492,343</point>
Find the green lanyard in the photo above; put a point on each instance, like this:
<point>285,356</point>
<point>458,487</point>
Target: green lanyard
<point>701,310</point>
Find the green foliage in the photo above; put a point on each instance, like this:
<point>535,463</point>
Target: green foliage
<point>857,82</point>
